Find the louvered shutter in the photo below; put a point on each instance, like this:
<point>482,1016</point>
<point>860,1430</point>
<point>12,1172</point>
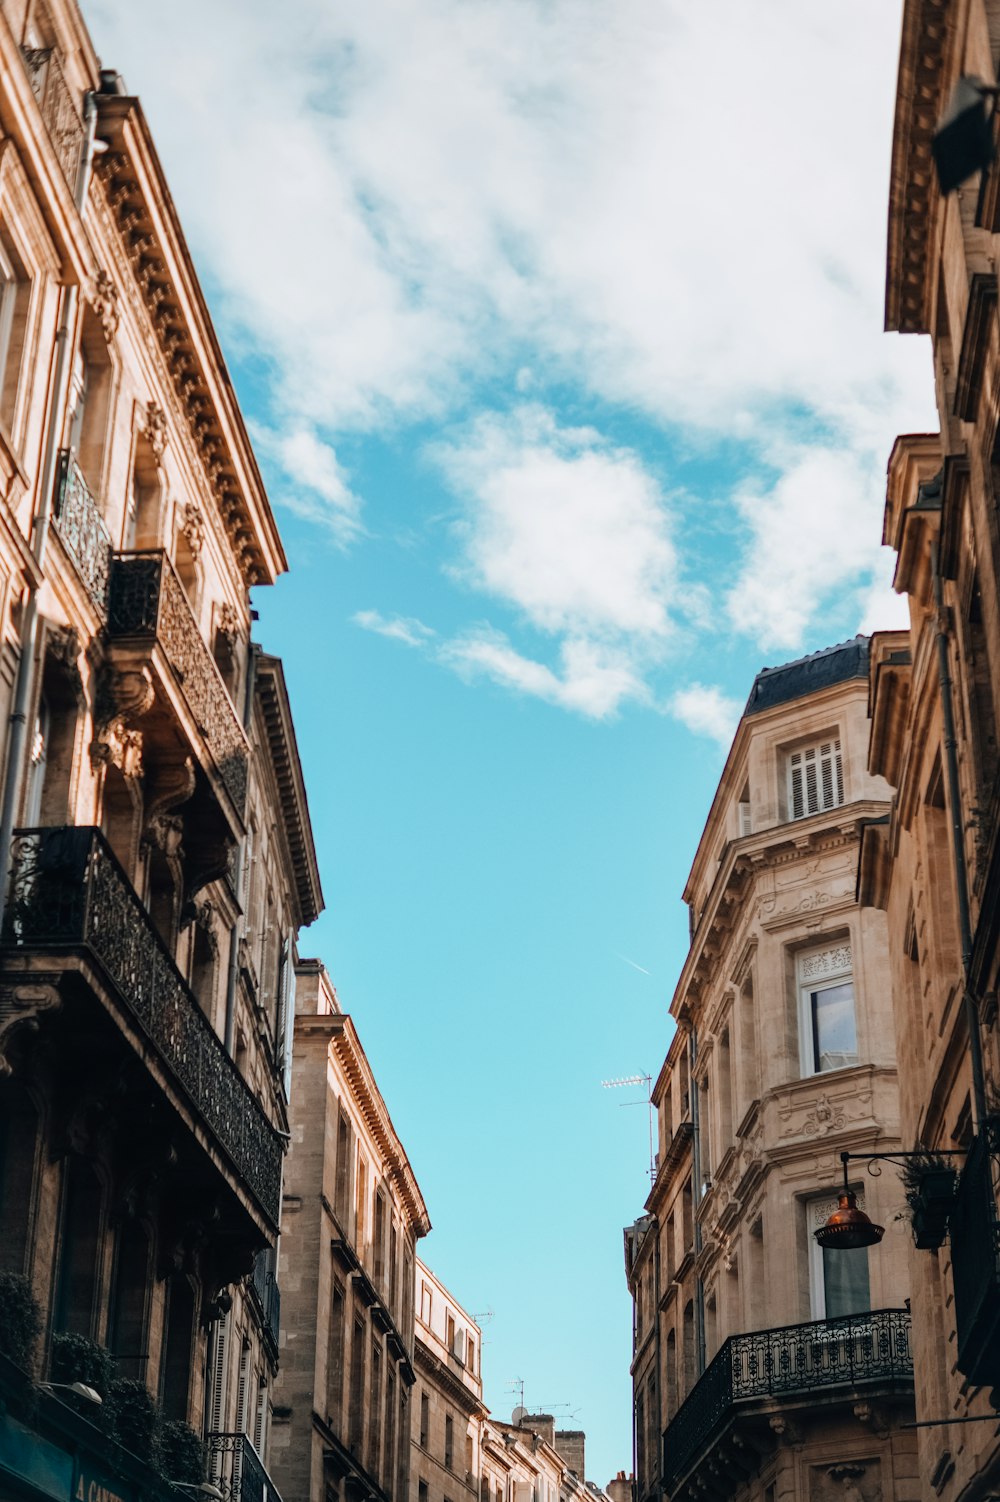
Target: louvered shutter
<point>259,1419</point>
<point>243,1392</point>
<point>797,781</point>
<point>217,1390</point>
<point>815,779</point>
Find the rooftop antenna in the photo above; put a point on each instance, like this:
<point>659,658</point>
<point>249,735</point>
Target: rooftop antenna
<point>516,1384</point>
<point>647,1081</point>
<point>484,1316</point>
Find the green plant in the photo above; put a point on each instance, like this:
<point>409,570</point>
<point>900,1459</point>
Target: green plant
<point>20,1320</point>
<point>77,1358</point>
<point>131,1415</point>
<point>180,1456</point>
<point>929,1187</point>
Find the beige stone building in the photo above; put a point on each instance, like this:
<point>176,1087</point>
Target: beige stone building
<point>765,1368</point>
<point>163,860</point>
<point>448,1397</point>
<point>530,1460</point>
<point>352,1216</point>
<point>934,867</point>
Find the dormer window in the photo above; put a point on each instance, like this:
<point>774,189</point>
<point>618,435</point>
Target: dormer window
<point>815,779</point>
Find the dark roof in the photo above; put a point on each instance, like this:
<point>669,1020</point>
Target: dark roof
<point>849,659</point>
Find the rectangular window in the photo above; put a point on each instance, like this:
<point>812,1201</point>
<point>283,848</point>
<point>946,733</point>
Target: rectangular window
<point>838,1280</point>
<point>449,1442</point>
<point>425,1419</point>
<point>357,1386</point>
<point>335,1356</point>
<point>425,1305</point>
<point>379,1266</point>
<point>423,1491</point>
<point>827,1028</point>
<point>815,779</point>
<point>375,1412</point>
<point>343,1169</point>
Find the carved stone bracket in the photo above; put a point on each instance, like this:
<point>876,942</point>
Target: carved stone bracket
<point>193,527</point>
<point>104,301</point>
<point>121,697</point>
<point>156,430</point>
<point>22,1004</point>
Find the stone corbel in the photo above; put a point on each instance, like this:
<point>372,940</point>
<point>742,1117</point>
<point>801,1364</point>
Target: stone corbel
<point>104,301</point>
<point>873,1418</point>
<point>156,431</point>
<point>786,1431</point>
<point>23,1003</point>
<point>122,697</point>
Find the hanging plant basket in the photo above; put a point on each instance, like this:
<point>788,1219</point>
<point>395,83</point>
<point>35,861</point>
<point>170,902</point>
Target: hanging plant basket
<point>931,1197</point>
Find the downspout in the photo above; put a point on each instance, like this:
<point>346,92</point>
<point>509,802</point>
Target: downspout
<point>24,687</point>
<point>236,932</point>
<point>696,1182</point>
<point>958,839</point>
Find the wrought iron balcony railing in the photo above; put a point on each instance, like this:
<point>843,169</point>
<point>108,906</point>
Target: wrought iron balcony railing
<point>975,1259</point>
<point>847,1352</point>
<point>80,525</point>
<point>146,599</point>
<point>67,891</point>
<point>58,107</point>
<point>237,1470</point>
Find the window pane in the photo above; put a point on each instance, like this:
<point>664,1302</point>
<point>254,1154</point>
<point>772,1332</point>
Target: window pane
<point>835,1043</point>
<point>845,1281</point>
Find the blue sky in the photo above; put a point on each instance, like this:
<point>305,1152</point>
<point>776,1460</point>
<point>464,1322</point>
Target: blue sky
<point>558,327</point>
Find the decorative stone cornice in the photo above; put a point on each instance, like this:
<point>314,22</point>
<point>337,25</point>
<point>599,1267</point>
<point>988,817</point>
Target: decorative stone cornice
<point>141,208</point>
<point>913,191</point>
<point>272,696</point>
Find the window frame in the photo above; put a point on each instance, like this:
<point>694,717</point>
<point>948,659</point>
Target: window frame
<point>800,753</point>
<point>838,970</point>
<point>819,1208</point>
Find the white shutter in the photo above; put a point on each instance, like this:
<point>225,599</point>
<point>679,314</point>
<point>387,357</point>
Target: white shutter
<point>242,1392</point>
<point>815,779</point>
<point>217,1389</point>
<point>260,1419</point>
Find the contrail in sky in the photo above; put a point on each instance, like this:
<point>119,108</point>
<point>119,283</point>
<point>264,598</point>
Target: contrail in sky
<point>641,968</point>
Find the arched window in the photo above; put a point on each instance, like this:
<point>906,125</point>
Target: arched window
<point>79,1248</point>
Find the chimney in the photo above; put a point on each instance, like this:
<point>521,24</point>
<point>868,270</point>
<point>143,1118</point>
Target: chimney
<point>620,1489</point>
<point>570,1444</point>
<point>543,1425</point>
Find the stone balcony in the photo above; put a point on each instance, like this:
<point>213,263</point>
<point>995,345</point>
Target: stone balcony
<point>730,1409</point>
<point>152,630</point>
<point>73,921</point>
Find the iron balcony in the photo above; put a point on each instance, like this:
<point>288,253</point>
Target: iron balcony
<point>851,1354</point>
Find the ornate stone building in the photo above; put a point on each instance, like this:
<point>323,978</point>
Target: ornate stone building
<point>352,1216</point>
<point>158,860</point>
<point>449,1410</point>
<point>765,1368</point>
<point>934,866</point>
<point>530,1460</point>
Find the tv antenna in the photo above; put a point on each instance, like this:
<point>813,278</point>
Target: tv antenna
<point>646,1080</point>
<point>516,1384</point>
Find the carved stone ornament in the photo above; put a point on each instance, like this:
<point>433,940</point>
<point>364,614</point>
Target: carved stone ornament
<point>156,430</point>
<point>122,697</point>
<point>21,1005</point>
<point>823,1118</point>
<point>228,624</point>
<point>193,527</point>
<point>104,301</point>
<point>62,647</point>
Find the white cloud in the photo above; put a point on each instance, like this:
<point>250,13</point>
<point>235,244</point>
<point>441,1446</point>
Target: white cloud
<point>594,681</point>
<point>667,206</point>
<point>321,492</point>
<point>814,536</point>
<point>706,710</point>
<point>407,629</point>
<point>572,532</point>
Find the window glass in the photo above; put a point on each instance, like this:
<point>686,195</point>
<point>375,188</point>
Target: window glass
<point>831,1016</point>
<point>845,1281</point>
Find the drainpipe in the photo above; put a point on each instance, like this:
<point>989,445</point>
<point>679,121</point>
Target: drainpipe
<point>958,839</point>
<point>696,1182</point>
<point>236,932</point>
<point>24,687</point>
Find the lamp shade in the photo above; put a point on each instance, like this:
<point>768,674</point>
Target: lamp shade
<point>848,1227</point>
<point>963,142</point>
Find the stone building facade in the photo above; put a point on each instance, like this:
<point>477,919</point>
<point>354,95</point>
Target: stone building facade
<point>158,860</point>
<point>530,1460</point>
<point>765,1368</point>
<point>448,1396</point>
<point>934,866</point>
<point>352,1216</point>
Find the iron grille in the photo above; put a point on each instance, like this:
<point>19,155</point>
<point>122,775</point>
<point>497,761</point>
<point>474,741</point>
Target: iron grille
<point>792,1359</point>
<point>268,1295</point>
<point>81,528</point>
<point>67,890</point>
<point>146,599</point>
<point>237,1470</point>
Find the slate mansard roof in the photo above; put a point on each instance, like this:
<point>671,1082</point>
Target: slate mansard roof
<point>806,675</point>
